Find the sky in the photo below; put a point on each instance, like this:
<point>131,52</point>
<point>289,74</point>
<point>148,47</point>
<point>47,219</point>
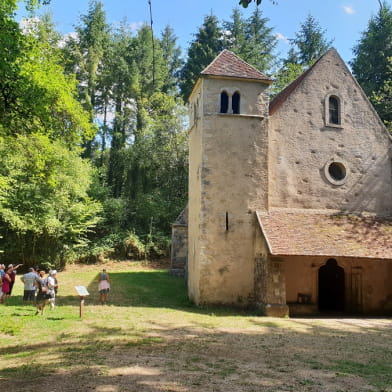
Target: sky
<point>343,20</point>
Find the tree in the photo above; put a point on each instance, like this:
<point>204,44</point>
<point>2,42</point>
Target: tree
<point>203,49</point>
<point>86,52</point>
<point>122,78</point>
<point>44,212</point>
<point>309,43</point>
<point>371,64</point>
<point>260,42</point>
<point>235,33</point>
<point>172,60</point>
<point>307,46</point>
<point>156,176</point>
<point>382,99</point>
<point>251,39</point>
<point>287,73</point>
<point>35,94</point>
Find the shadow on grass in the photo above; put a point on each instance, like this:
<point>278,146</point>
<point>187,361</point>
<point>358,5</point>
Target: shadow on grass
<point>181,358</point>
<point>155,288</point>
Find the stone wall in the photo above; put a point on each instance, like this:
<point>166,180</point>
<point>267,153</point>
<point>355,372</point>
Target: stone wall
<point>179,253</point>
<point>228,181</point>
<point>269,281</point>
<point>303,144</point>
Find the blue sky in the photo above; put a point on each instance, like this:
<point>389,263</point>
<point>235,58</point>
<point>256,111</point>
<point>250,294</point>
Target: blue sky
<point>343,20</point>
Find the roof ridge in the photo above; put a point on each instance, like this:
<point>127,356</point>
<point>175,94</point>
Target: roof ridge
<point>229,64</point>
<point>288,90</point>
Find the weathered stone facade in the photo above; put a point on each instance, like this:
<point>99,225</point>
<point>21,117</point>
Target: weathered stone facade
<point>255,167</point>
<point>179,250</point>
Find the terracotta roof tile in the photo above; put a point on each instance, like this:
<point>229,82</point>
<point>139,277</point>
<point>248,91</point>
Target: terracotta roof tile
<point>301,232</point>
<point>229,64</point>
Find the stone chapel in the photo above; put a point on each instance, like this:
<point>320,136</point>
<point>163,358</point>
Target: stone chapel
<point>290,201</point>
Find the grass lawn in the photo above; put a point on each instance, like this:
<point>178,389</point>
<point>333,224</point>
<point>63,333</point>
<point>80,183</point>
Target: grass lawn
<point>150,338</point>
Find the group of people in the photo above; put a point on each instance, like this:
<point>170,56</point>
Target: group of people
<point>39,289</point>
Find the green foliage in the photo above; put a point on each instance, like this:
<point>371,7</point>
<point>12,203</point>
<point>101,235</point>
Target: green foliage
<point>172,60</point>
<point>372,62</point>
<point>251,39</point>
<point>307,46</point>
<point>285,75</point>
<point>35,95</point>
<point>309,43</point>
<point>260,42</point>
<point>134,247</point>
<point>203,49</point>
<point>382,100</point>
<point>42,207</point>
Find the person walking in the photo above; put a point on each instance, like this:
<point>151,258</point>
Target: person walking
<point>44,293</point>
<point>103,286</point>
<point>29,280</point>
<point>52,286</point>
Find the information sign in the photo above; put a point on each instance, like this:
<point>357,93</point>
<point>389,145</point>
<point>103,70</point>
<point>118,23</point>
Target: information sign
<point>82,291</point>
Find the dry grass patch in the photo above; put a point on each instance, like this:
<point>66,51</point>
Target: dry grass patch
<point>150,338</point>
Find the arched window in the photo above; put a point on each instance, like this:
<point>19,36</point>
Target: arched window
<point>334,110</point>
<point>224,102</point>
<point>235,103</point>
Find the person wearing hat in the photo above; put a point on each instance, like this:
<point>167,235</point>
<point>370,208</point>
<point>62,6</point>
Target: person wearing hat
<point>29,286</point>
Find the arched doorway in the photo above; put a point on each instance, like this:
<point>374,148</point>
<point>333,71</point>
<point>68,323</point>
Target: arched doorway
<point>331,287</point>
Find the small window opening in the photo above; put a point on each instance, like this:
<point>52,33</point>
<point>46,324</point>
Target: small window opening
<point>224,104</point>
<point>227,221</point>
<point>235,103</point>
<point>334,110</point>
<point>337,171</point>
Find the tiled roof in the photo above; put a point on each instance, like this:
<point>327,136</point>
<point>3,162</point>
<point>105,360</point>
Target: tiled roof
<point>286,92</point>
<point>230,65</point>
<point>309,233</point>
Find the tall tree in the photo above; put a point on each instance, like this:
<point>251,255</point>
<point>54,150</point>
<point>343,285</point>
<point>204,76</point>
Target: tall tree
<point>87,51</point>
<point>122,75</point>
<point>203,49</point>
<point>156,175</point>
<point>35,95</point>
<point>44,212</point>
<point>372,60</point>
<point>309,43</point>
<point>172,60</point>
<point>260,42</point>
<point>235,33</point>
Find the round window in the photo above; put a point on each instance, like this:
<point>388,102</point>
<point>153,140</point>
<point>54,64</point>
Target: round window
<point>335,172</point>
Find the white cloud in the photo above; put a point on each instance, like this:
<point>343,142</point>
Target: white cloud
<point>67,37</point>
<point>281,37</point>
<point>29,25</point>
<point>348,9</point>
<point>134,26</point>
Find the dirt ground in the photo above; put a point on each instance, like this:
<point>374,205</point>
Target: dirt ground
<point>184,352</point>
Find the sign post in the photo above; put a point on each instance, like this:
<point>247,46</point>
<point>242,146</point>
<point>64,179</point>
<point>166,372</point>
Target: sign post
<point>82,291</point>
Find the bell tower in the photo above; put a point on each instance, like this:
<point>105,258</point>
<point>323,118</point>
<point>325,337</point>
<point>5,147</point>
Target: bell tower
<point>228,179</point>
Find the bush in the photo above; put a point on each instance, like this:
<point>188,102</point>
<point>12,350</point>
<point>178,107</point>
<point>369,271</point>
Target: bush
<point>134,247</point>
